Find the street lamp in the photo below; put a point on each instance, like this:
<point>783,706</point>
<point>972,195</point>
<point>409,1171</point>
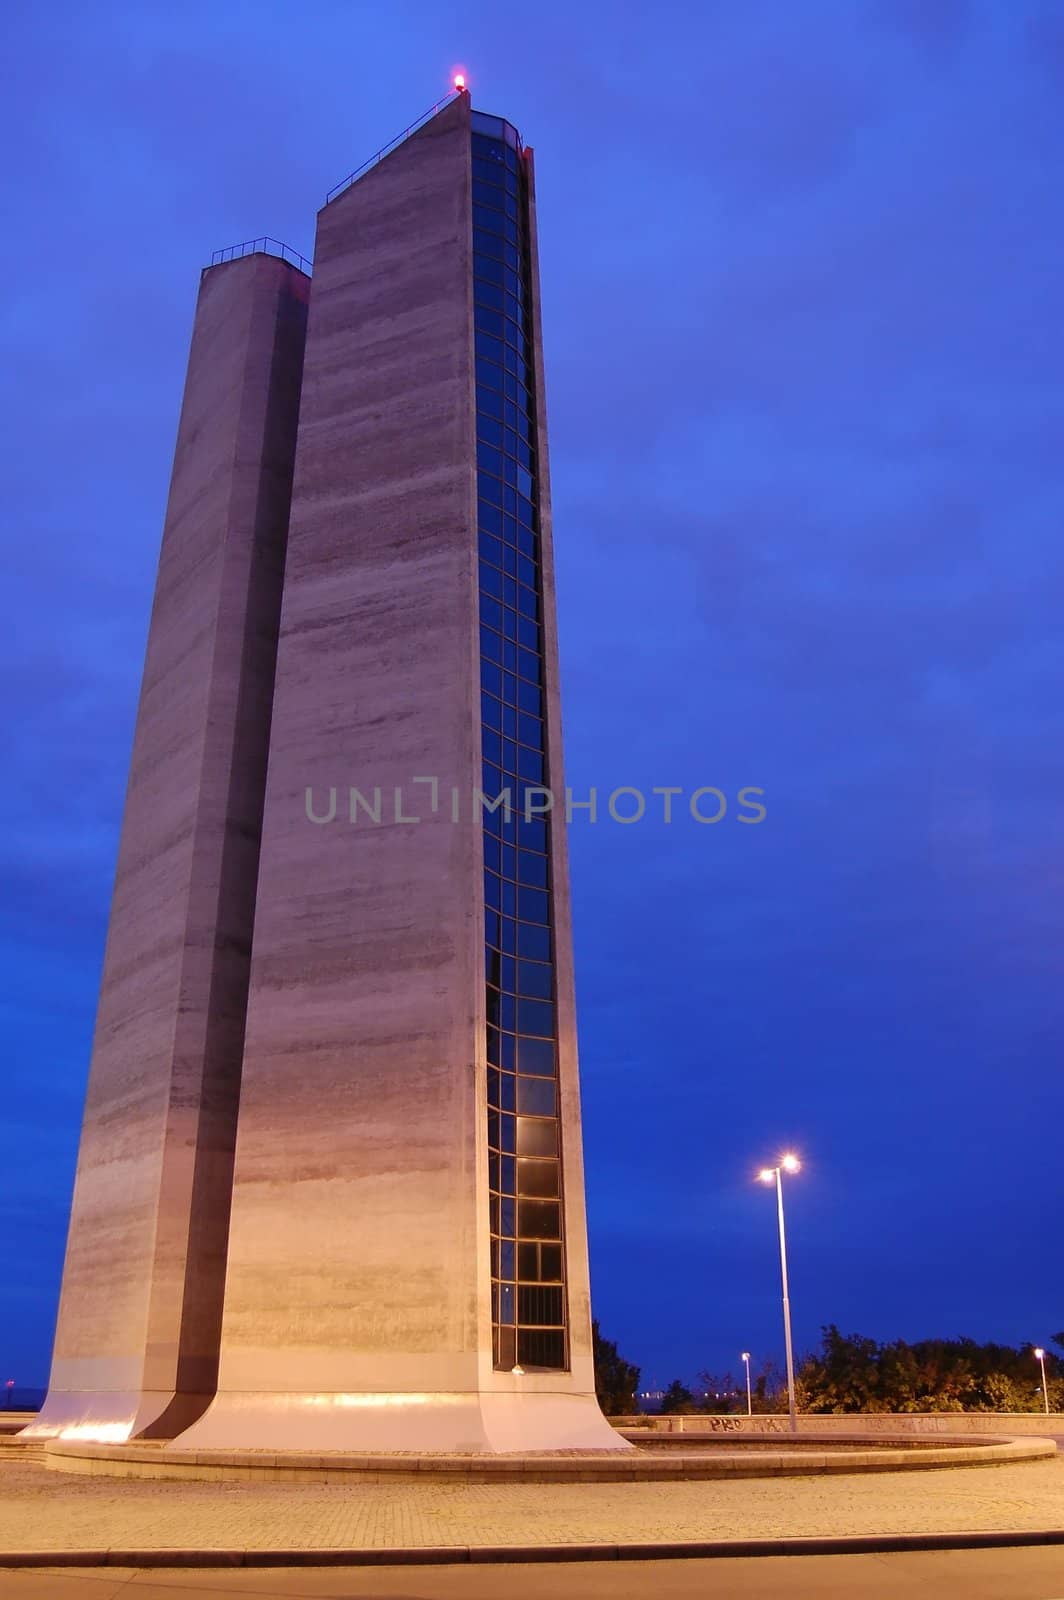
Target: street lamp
<point>749,1396</point>
<point>787,1163</point>
<point>1040,1357</point>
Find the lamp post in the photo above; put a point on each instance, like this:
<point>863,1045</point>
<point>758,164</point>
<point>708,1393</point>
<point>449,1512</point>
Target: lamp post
<point>749,1396</point>
<point>1040,1357</point>
<point>788,1163</point>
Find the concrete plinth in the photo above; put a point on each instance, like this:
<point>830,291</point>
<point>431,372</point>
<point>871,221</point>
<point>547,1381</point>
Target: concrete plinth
<point>400,1423</point>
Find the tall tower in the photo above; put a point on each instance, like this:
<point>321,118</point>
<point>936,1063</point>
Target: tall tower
<point>407,1253</point>
<point>136,1350</point>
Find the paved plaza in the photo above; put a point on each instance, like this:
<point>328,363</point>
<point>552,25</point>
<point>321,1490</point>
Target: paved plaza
<point>1016,1574</point>
<point>42,1510</point>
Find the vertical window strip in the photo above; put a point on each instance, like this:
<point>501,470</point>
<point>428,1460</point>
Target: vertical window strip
<point>529,1323</point>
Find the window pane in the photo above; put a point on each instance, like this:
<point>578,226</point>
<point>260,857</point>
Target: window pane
<point>492,295</point>
<point>490,517</point>
<point>537,1057</point>
<point>489,460</point>
<point>489,171</point>
<point>530,765</point>
<point>491,614</point>
<point>536,1178</point>
<point>532,835</point>
<point>536,1097</point>
<point>533,942</point>
<point>491,581</point>
<point>491,550</point>
<point>541,1347</point>
<point>486,220</point>
<point>528,664</point>
<point>490,428</point>
<point>550,1262</point>
<point>528,1262</point>
<point>532,869</point>
<point>528,695</point>
<point>527,633</point>
<point>536,979</point>
<point>485,320</point>
<point>533,906</point>
<point>539,1219</point>
<point>537,1136</point>
<point>489,376</point>
<point>505,1345</point>
<point>539,1306</point>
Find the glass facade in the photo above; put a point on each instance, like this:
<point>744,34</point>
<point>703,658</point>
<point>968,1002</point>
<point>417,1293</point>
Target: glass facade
<point>524,1130</point>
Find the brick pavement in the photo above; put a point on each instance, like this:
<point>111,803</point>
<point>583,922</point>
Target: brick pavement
<point>44,1510</point>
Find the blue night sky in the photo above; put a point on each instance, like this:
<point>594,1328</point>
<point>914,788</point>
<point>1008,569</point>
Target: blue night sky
<point>803,275</point>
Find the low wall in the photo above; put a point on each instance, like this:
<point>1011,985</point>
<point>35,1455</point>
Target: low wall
<point>679,1463</point>
<point>15,1421</point>
<point>883,1424</point>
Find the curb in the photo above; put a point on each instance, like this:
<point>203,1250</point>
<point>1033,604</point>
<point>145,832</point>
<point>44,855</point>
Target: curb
<point>137,1459</point>
<point>462,1555</point>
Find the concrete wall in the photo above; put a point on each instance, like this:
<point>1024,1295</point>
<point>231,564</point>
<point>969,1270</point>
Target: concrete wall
<point>136,1344</point>
<point>880,1423</point>
<point>357,1310</point>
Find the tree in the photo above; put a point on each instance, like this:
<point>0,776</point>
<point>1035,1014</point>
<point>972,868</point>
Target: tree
<point>720,1394</point>
<point>616,1380</point>
<point>855,1374</point>
<point>842,1377</point>
<point>678,1399</point>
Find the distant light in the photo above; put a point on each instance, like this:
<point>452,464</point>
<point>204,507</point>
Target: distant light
<point>767,1174</point>
<point>746,1355</point>
<point>1039,1355</point>
<point>791,1164</point>
<point>459,80</point>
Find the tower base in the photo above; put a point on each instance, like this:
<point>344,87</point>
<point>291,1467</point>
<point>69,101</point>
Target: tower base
<point>440,1423</point>
<point>106,1416</point>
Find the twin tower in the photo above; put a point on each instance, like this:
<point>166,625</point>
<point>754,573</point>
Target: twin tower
<point>329,1192</point>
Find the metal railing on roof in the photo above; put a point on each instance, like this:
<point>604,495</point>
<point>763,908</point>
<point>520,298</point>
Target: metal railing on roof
<point>264,246</point>
<point>388,148</point>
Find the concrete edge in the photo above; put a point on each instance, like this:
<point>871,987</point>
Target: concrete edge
<point>459,1555</point>
<point>139,1460</point>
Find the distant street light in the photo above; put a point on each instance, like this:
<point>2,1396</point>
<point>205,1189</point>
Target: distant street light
<point>788,1163</point>
<point>749,1396</point>
<point>1040,1357</point>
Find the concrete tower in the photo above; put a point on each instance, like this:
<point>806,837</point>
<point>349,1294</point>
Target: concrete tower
<point>136,1349</point>
<point>407,1253</point>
